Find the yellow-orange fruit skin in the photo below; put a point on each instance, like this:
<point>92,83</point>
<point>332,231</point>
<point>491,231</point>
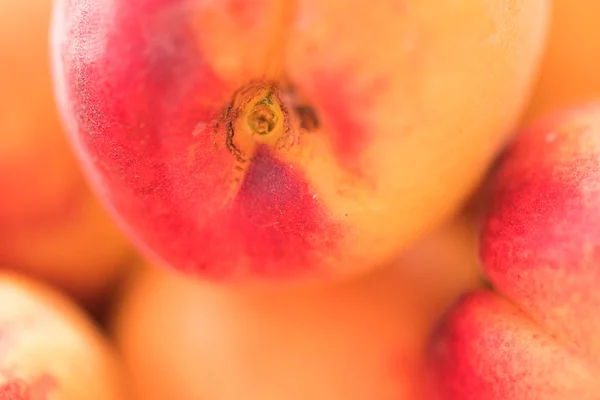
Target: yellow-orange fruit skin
<point>363,339</point>
<point>51,226</point>
<point>49,349</point>
<point>569,67</point>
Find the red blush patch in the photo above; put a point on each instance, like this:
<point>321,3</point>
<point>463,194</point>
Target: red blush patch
<point>344,112</point>
<point>275,222</point>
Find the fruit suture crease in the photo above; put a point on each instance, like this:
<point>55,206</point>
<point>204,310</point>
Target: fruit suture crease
<point>273,139</point>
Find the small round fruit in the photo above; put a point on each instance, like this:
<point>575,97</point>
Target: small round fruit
<point>538,335</point>
<point>48,348</point>
<point>540,243</point>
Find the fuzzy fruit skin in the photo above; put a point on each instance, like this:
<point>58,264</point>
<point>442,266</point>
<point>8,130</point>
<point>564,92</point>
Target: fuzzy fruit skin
<point>149,93</point>
<point>541,241</point>
<point>49,349</point>
<point>487,349</point>
<point>536,336</point>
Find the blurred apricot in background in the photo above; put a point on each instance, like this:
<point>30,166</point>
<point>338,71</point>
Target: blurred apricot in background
<point>50,350</point>
<point>570,67</point>
<point>186,340</point>
<point>357,340</point>
<point>51,226</point>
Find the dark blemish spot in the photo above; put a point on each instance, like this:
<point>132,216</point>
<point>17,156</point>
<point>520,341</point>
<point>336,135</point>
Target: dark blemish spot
<point>308,118</point>
<point>269,188</point>
<point>279,214</point>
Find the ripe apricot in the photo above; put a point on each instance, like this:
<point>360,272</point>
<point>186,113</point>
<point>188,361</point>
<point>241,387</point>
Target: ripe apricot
<point>272,139</point>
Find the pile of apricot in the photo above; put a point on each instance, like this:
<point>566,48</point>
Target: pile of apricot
<point>292,200</point>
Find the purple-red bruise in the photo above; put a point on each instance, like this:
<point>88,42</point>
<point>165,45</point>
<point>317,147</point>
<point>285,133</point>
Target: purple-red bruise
<point>146,107</point>
<point>275,222</point>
